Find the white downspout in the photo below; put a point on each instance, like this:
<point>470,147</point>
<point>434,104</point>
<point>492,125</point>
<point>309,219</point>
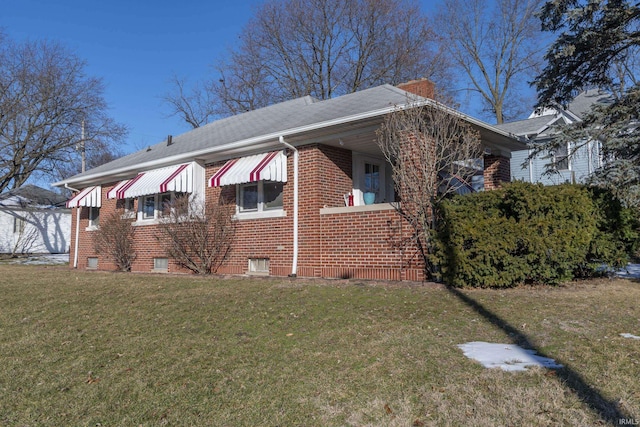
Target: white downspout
<point>296,158</point>
<point>75,246</point>
<point>590,157</point>
<point>530,168</point>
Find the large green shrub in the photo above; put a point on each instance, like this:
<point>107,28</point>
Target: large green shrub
<point>528,233</point>
<point>617,237</point>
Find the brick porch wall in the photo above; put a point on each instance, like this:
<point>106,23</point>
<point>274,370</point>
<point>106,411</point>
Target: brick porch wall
<point>497,170</point>
<point>368,244</point>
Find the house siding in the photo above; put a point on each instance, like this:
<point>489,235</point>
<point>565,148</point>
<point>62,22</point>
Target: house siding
<point>45,231</point>
<point>583,162</point>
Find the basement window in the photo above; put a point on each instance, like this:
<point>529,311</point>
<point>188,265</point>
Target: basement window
<point>161,264</point>
<point>258,265</point>
<point>92,262</point>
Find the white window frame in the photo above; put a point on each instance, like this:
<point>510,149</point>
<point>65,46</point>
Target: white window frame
<point>158,264</point>
<point>258,266</point>
<point>19,224</point>
<point>94,220</point>
<point>157,207</point>
<point>359,161</point>
<point>129,209</point>
<point>562,157</point>
<point>261,210</point>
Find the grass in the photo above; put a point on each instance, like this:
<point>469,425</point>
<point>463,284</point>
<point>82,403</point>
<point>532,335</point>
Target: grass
<point>100,349</point>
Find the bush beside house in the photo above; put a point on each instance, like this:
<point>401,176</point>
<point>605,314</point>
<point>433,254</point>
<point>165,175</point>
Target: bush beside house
<point>528,233</point>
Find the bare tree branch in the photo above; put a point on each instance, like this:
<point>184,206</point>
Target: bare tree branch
<point>198,236</point>
<point>432,153</point>
<point>115,239</point>
<point>494,46</point>
<point>44,97</point>
<point>322,48</point>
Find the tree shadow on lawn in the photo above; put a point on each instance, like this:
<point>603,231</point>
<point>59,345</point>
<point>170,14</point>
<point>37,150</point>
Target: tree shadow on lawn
<point>606,409</point>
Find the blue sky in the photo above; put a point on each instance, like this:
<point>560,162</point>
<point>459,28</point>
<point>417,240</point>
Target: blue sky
<point>135,47</point>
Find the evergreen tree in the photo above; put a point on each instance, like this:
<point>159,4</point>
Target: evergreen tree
<point>597,46</point>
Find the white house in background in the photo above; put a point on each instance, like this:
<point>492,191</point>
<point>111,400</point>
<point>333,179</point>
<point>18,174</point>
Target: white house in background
<point>540,127</point>
<point>34,220</point>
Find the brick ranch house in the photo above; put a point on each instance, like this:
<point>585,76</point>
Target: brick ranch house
<point>288,168</point>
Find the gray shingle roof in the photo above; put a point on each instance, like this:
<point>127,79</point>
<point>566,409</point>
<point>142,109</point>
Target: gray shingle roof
<point>266,124</point>
<point>527,126</point>
<point>582,103</point>
<point>30,195</point>
<point>277,118</point>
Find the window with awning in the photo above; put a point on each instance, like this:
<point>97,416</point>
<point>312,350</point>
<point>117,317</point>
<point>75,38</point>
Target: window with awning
<point>90,197</point>
<point>178,179</point>
<point>261,167</point>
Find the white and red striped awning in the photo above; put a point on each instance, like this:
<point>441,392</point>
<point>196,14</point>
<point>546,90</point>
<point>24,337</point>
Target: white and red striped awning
<point>174,178</point>
<point>112,194</point>
<point>90,196</point>
<point>269,166</point>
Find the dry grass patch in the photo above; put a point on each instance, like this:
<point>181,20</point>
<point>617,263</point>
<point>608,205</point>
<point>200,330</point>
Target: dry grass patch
<point>81,348</point>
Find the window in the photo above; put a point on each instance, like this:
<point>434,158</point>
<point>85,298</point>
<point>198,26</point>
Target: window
<point>259,197</point>
<point>371,178</point>
<point>92,262</point>
<point>259,265</point>
<point>161,264</point>
<point>561,158</point>
<point>149,207</point>
<point>18,225</point>
<point>94,217</point>
<point>157,205</point>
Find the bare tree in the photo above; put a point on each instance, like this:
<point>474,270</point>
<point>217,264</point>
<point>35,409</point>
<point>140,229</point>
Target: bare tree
<point>433,153</point>
<point>497,45</point>
<point>115,239</point>
<point>195,104</point>
<point>322,48</point>
<point>196,235</point>
<point>45,96</point>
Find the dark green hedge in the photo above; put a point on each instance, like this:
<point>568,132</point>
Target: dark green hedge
<point>529,233</point>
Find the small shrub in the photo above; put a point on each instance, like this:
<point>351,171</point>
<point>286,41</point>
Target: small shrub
<point>196,236</point>
<point>114,240</point>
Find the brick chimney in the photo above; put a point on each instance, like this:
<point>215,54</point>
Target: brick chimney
<point>421,87</point>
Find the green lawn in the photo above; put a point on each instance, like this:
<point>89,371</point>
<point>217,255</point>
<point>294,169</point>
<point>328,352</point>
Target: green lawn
<point>101,349</point>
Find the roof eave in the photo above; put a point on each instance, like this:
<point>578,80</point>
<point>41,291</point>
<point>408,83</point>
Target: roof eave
<point>244,145</point>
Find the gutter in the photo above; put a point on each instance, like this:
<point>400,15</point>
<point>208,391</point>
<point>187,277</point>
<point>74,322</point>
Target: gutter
<point>75,246</point>
<point>296,160</point>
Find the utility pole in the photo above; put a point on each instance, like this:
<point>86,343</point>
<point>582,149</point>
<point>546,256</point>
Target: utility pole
<point>82,149</point>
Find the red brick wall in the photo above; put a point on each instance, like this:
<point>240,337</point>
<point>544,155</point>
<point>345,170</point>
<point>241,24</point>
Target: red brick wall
<point>353,244</point>
<point>369,245</point>
<point>270,238</point>
<point>497,170</point>
<point>146,246</point>
<point>422,87</point>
